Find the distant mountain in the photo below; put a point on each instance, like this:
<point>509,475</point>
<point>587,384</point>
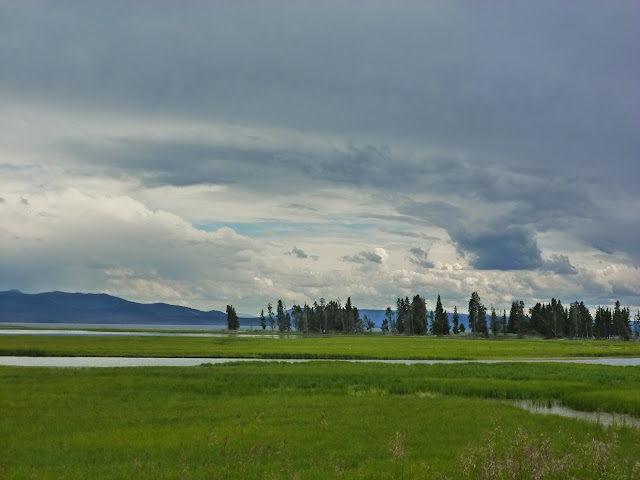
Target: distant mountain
<point>61,307</point>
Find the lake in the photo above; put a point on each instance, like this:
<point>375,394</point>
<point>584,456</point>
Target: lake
<point>188,362</point>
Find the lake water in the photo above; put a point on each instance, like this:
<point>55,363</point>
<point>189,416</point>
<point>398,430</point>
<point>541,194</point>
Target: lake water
<point>94,333</point>
<point>187,362</point>
<point>603,418</point>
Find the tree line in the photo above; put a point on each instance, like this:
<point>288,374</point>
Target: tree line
<point>411,317</point>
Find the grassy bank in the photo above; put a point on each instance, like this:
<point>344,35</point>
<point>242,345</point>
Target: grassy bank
<point>338,346</point>
<point>319,420</point>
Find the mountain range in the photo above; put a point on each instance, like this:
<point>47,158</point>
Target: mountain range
<point>88,308</point>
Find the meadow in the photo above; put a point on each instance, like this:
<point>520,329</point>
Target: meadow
<point>328,347</point>
<point>314,420</point>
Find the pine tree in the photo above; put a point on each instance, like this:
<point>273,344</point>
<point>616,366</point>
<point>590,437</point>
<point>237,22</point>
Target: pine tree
<point>232,318</point>
<point>494,323</point>
<point>390,320</point>
<point>440,321</point>
<point>263,322</point>
<point>456,320</point>
<point>503,322</point>
<point>419,315</point>
<point>281,317</point>
<point>270,311</point>
<point>477,315</point>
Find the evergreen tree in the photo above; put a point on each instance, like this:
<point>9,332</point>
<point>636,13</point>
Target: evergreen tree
<point>456,320</point>
<point>494,322</point>
<point>517,322</point>
<point>297,315</point>
<point>477,315</point>
<point>232,318</point>
<point>263,322</point>
<point>385,326</point>
<point>419,315</point>
<point>537,318</point>
<point>440,325</point>
<point>390,319</point>
<point>281,317</point>
<point>369,324</point>
<point>586,330</point>
<point>636,324</point>
<point>270,311</point>
<point>503,322</point>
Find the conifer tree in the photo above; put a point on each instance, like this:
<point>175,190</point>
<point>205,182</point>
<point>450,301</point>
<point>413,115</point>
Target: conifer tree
<point>456,320</point>
<point>494,323</point>
<point>232,318</point>
<point>270,311</point>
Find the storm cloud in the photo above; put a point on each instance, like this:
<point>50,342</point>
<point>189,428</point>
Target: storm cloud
<point>438,147</point>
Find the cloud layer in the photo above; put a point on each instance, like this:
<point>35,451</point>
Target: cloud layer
<point>331,149</point>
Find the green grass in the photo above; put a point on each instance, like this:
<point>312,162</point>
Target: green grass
<point>338,346</point>
<point>314,420</point>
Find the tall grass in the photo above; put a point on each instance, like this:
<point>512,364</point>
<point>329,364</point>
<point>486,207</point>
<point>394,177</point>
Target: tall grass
<point>329,347</point>
<point>316,421</point>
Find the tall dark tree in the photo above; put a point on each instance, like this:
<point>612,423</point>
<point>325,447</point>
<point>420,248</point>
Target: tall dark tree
<point>368,323</point>
<point>622,321</point>
<point>602,323</point>
<point>537,318</point>
<point>297,316</point>
<point>494,322</point>
<point>272,322</point>
<point>456,320</point>
<point>419,315</point>
<point>440,324</point>
<point>263,322</point>
<point>503,322</point>
<point>233,323</point>
<point>586,330</point>
<point>477,315</point>
<point>281,317</point>
<point>517,318</point>
<point>390,319</point>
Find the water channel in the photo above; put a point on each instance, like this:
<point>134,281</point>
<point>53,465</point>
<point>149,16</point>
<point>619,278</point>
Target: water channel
<point>20,361</point>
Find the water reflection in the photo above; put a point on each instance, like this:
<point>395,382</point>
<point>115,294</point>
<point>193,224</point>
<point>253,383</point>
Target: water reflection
<point>603,418</point>
<point>120,333</point>
<point>19,361</point>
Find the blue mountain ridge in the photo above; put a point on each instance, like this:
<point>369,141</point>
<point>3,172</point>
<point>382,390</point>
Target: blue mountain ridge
<point>62,307</point>
<point>100,308</point>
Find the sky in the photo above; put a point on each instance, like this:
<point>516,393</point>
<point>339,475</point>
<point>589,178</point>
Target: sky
<point>238,152</point>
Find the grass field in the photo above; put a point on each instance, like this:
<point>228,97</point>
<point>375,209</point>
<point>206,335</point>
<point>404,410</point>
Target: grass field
<point>314,420</point>
<point>338,346</point>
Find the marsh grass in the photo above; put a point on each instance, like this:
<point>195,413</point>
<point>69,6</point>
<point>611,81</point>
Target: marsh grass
<point>524,456</point>
<point>306,421</point>
<point>314,347</point>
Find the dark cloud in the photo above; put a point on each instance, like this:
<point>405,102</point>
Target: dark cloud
<point>419,257</point>
<point>513,248</point>
<point>559,264</point>
<point>298,253</point>
<point>423,236</point>
<point>490,244</point>
<point>300,207</point>
<point>363,258</point>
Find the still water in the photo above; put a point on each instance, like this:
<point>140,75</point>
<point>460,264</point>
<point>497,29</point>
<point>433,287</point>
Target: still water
<point>603,418</point>
<point>187,362</point>
<point>119,333</point>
